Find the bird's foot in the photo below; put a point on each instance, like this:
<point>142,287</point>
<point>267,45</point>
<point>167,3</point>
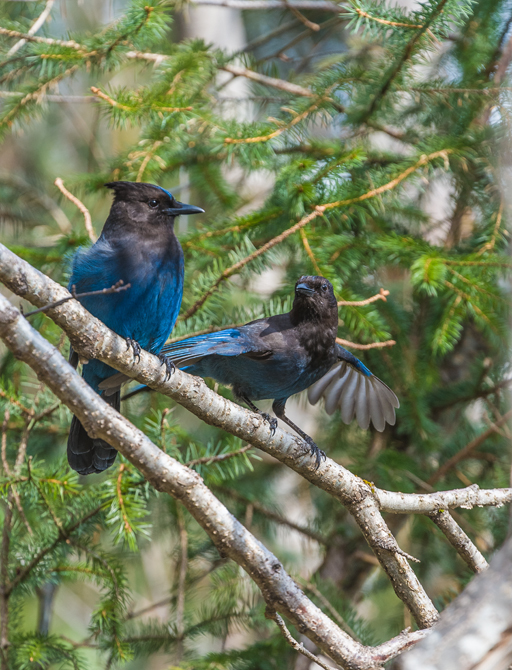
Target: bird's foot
<point>170,368</point>
<point>316,452</point>
<point>136,348</point>
<point>271,422</point>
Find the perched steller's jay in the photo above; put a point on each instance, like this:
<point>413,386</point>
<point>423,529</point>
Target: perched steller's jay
<point>139,247</point>
<point>285,354</point>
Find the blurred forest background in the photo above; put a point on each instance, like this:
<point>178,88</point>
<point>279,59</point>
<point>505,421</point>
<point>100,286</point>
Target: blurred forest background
<point>400,111</point>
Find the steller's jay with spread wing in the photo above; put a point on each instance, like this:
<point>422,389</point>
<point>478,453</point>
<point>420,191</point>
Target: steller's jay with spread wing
<point>139,247</point>
<point>282,355</point>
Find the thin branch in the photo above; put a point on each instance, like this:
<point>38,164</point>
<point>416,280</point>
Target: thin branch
<point>33,28</point>
<point>271,614</point>
<point>182,577</point>
<point>314,5</point>
<point>42,40</point>
<point>16,402</point>
<point>459,540</point>
<point>274,516</point>
<point>264,138</point>
<point>120,499</point>
<point>37,94</point>
<point>489,246</point>
<point>87,217</point>
<point>208,460</point>
<point>309,251</point>
<point>467,451</point>
<point>332,610</point>
<point>5,463</point>
<point>115,288</point>
<point>365,347</point>
<point>381,295</point>
<point>280,84</point>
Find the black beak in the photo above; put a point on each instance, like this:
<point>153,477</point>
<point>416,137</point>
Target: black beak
<point>180,208</point>
<point>304,289</point>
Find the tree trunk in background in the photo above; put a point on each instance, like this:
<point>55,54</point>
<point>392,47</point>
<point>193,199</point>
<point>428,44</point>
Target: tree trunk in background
<point>475,631</point>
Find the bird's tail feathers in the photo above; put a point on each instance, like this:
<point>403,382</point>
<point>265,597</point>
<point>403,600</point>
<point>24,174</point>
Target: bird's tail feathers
<point>86,454</point>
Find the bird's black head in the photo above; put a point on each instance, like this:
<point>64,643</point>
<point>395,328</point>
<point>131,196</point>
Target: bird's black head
<point>144,206</point>
<point>314,299</point>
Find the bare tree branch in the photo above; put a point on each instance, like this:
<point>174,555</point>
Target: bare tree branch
<point>92,339</point>
<point>166,474</point>
<point>458,539</point>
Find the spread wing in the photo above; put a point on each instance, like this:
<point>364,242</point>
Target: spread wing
<point>185,353</point>
<point>352,388</point>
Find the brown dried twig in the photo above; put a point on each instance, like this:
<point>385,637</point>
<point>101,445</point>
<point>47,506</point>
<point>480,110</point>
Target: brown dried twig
<point>115,288</point>
<point>87,217</point>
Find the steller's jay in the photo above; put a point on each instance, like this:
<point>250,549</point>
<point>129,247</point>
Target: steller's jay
<point>139,247</point>
<point>285,354</point>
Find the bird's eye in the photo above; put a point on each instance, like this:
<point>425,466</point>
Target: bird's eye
<point>153,204</point>
<point>324,287</point>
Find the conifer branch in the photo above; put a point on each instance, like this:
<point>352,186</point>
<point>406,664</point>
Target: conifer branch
<point>33,28</point>
<point>407,53</point>
<point>381,295</point>
<point>71,44</point>
<point>318,211</point>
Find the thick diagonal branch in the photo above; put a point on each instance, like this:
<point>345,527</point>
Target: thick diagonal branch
<point>92,339</point>
<point>166,474</point>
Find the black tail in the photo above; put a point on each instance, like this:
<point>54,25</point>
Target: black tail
<point>87,455</point>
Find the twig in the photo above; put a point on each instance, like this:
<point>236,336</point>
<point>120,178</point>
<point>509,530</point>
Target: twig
<point>271,614</point>
<point>318,211</point>
<point>488,246</point>
<point>280,84</point>
<point>315,5</point>
<point>396,24</point>
<point>4,443</point>
<point>332,610</point>
<point>381,295</point>
<point>115,288</point>
<point>87,217</point>
<point>309,251</point>
<point>126,108</point>
<point>274,516</point>
<point>16,402</point>
<point>459,540</point>
<point>182,576</point>
<point>120,500</point>
<point>33,28</point>
<point>4,583</point>
<point>37,94</point>
<point>264,138</point>
<point>309,24</point>
<point>365,347</point>
<point>42,40</point>
<point>208,460</point>
<point>468,450</point>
